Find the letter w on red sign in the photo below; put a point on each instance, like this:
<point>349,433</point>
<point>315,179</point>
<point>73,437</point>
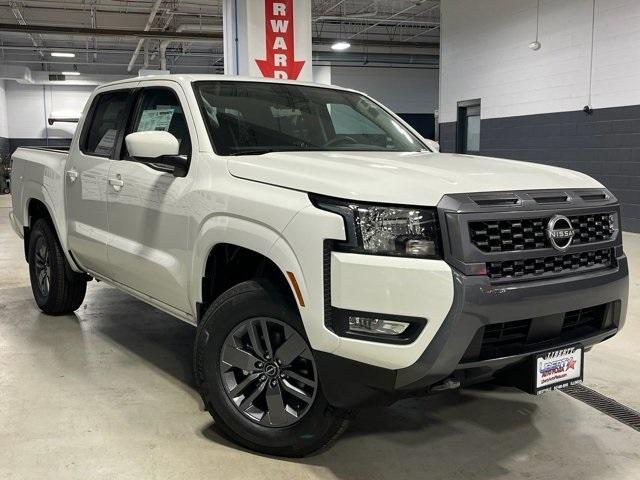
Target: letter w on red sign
<point>280,57</point>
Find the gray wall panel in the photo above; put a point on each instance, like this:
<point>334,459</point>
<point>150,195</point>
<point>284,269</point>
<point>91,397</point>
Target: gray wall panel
<point>604,145</point>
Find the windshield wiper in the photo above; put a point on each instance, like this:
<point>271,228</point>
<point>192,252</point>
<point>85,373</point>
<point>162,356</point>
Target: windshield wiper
<point>256,151</point>
<point>261,151</point>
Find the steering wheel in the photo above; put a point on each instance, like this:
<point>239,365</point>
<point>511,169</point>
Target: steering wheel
<point>338,140</point>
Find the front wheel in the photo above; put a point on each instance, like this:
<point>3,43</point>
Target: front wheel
<point>257,375</point>
<point>56,289</point>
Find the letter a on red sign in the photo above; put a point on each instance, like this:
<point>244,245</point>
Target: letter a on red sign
<point>280,50</point>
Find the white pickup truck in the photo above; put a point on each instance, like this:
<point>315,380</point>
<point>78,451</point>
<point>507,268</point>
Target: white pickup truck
<point>329,257</point>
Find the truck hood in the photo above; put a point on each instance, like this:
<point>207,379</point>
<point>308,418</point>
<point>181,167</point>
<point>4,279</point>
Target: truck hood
<point>401,177</point>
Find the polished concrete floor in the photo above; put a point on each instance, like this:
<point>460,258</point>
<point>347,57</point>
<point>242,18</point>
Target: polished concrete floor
<point>108,393</point>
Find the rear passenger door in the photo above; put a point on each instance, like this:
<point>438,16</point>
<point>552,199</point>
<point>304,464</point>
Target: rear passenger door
<point>86,177</point>
<point>148,218</point>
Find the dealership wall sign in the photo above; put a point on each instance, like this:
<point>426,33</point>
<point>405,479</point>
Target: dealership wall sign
<point>279,40</point>
<point>268,38</point>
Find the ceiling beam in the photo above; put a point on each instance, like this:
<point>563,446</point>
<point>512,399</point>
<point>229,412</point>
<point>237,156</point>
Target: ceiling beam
<point>178,36</point>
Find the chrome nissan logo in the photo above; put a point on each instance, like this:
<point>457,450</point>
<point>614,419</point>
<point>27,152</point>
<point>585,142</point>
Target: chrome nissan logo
<point>560,232</point>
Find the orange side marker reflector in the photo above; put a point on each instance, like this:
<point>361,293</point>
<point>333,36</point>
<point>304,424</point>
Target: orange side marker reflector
<point>296,288</point>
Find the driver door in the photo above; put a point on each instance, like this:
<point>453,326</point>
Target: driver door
<point>148,216</point>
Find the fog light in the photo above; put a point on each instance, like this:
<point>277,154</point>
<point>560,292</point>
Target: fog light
<point>376,326</point>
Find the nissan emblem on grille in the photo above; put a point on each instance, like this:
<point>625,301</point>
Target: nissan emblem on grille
<point>560,232</point>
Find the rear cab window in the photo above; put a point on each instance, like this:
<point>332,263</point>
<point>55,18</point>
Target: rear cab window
<point>106,119</point>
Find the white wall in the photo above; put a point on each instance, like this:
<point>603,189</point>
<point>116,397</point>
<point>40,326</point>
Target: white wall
<point>484,54</point>
<point>29,107</point>
<point>4,129</point>
<point>322,74</point>
<point>404,90</point>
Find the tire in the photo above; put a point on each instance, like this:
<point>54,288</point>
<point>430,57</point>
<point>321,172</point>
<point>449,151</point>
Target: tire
<point>56,289</point>
<point>225,326</point>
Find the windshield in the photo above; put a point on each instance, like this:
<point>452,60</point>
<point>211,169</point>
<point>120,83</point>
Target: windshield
<point>246,118</point>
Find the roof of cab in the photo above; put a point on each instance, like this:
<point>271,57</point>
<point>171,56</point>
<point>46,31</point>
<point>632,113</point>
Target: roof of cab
<point>187,79</point>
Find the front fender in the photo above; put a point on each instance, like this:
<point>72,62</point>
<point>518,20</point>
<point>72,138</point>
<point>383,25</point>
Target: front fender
<point>271,244</point>
<point>232,230</point>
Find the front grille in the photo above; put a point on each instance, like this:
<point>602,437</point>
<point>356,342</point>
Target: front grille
<point>532,267</point>
<point>522,336</point>
<point>529,233</point>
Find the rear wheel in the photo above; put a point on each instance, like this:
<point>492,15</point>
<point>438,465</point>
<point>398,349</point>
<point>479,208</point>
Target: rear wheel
<point>257,375</point>
<point>56,289</point>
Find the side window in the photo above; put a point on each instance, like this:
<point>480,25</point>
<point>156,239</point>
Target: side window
<point>159,109</point>
<point>107,118</point>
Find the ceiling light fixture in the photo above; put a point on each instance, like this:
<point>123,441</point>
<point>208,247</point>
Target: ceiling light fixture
<point>70,73</point>
<point>340,45</point>
<point>63,54</point>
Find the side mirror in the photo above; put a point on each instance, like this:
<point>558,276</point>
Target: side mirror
<point>433,145</point>
<point>158,147</point>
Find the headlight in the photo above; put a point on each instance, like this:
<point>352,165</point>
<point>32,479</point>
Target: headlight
<point>385,229</point>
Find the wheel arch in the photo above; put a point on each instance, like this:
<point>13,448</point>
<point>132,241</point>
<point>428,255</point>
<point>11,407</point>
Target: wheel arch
<point>263,252</point>
<point>37,205</point>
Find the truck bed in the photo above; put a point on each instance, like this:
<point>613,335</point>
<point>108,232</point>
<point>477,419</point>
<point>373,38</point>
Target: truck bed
<point>38,173</point>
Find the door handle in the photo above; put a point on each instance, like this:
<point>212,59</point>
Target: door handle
<point>116,183</point>
<point>72,174</point>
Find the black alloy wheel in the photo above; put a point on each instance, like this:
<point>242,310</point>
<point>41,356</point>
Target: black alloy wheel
<point>268,372</point>
<point>57,290</point>
<point>42,266</point>
<point>257,374</point>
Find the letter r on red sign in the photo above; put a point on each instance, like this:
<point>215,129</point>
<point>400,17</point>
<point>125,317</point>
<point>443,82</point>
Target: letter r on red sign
<point>279,9</point>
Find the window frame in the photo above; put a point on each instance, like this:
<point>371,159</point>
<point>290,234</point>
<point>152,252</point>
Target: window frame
<point>136,105</point>
<point>84,135</point>
<point>466,109</point>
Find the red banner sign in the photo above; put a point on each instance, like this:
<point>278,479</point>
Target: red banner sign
<point>280,57</point>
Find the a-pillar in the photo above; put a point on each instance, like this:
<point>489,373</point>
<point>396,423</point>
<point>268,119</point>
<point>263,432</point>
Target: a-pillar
<point>268,38</point>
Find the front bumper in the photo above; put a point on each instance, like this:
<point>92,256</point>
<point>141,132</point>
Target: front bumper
<point>478,303</point>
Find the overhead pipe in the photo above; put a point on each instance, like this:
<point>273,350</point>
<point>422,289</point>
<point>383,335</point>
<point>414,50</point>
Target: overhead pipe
<point>349,16</point>
<point>410,7</point>
<point>186,27</point>
<point>147,27</point>
<point>104,32</point>
<point>106,51</point>
<point>101,64</point>
<point>366,58</point>
<point>127,8</point>
<point>377,20</point>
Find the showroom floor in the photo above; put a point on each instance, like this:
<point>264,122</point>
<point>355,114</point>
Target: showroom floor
<point>108,393</point>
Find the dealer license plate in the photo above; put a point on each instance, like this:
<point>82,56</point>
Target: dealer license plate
<point>559,368</point>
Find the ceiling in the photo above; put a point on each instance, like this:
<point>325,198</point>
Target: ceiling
<point>383,31</point>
